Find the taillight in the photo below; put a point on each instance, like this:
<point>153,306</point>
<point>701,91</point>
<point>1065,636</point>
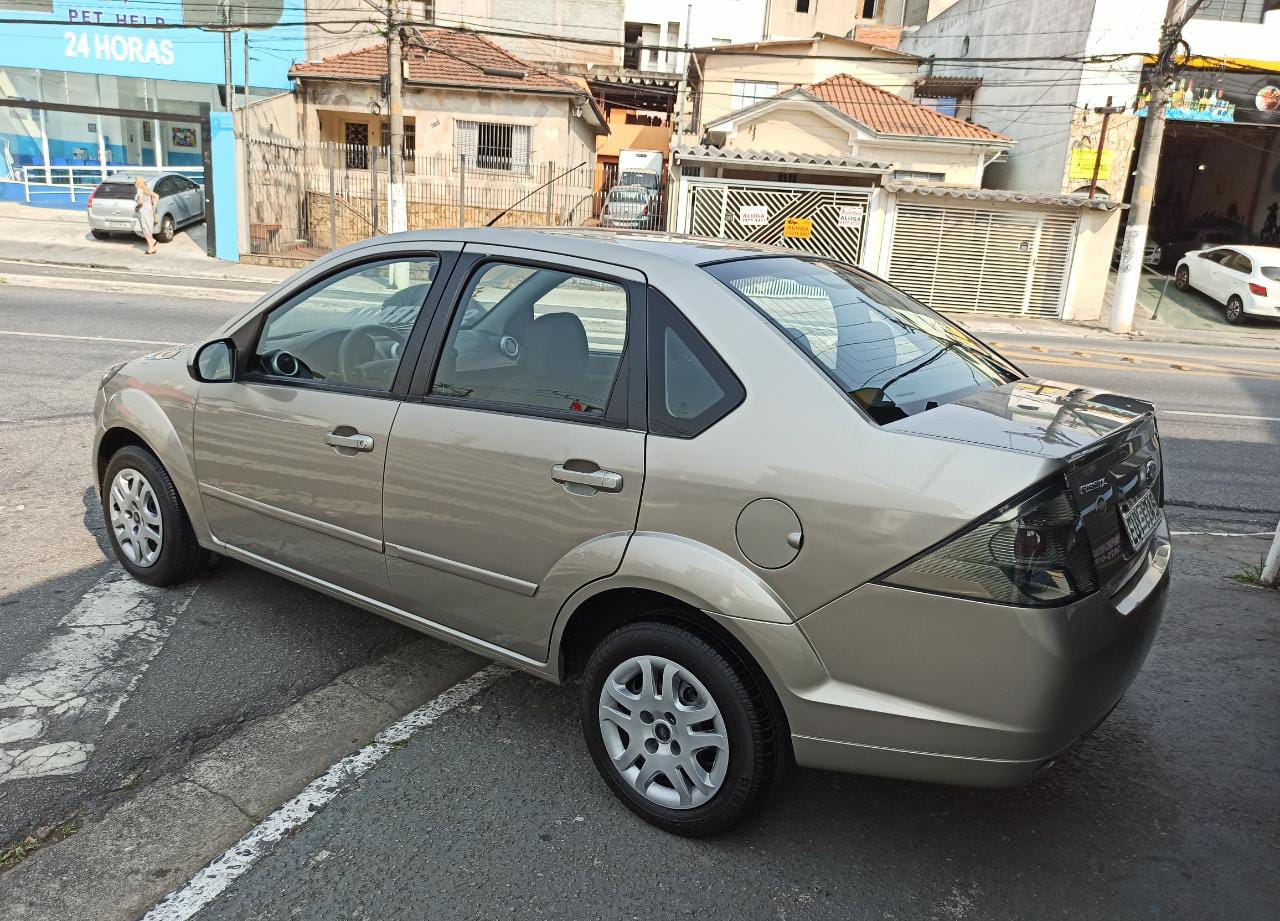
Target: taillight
<point>1032,553</point>
<point>91,194</point>
<point>1257,289</point>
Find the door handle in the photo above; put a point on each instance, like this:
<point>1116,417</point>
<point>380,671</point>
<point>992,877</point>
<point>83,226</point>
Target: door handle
<point>355,442</point>
<point>603,480</point>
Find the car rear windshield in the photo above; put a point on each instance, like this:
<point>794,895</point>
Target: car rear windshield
<point>1272,272</point>
<point>893,356</point>
<point>635,197</point>
<point>116,190</point>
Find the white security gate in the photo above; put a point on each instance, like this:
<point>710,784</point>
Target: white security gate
<point>972,259</point>
<point>758,212</point>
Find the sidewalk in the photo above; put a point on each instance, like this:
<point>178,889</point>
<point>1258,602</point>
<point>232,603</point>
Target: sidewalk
<point>1179,317</point>
<point>58,237</point>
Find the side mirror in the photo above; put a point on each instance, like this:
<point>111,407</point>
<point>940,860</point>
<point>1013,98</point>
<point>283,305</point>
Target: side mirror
<point>214,362</point>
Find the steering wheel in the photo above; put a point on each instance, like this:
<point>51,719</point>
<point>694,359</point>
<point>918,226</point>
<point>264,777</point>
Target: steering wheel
<point>358,350</point>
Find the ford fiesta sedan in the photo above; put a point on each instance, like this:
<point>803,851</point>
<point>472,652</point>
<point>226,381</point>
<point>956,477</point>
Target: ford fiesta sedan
<point>768,507</point>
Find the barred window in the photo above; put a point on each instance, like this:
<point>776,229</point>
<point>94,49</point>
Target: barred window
<point>492,145</point>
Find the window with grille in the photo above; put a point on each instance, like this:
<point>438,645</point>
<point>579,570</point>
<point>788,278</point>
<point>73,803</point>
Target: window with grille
<point>749,92</point>
<point>356,136</point>
<point>1233,10</point>
<point>493,145</point>
<point>914,175</point>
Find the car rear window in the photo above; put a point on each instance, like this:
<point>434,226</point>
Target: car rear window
<point>629,196</point>
<point>1272,272</point>
<point>892,355</point>
<point>116,190</point>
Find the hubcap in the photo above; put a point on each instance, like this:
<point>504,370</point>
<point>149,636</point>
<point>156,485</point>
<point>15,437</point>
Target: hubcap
<point>663,732</point>
<point>135,517</point>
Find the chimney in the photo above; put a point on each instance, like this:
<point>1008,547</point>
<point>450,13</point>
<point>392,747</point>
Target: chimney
<point>879,35</point>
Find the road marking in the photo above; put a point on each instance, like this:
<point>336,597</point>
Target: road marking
<point>1223,533</point>
<point>14,332</point>
<point>222,871</point>
<point>1190,412</point>
<point>63,695</point>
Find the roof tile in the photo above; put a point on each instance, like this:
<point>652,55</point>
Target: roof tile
<point>454,59</point>
<point>886,113</point>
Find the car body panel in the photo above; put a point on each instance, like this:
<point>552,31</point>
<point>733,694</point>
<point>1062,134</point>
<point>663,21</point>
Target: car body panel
<point>477,544</point>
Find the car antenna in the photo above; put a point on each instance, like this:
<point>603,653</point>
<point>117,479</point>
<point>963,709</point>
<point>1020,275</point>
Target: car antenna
<point>504,211</point>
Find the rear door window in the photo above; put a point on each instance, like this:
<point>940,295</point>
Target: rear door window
<point>890,354</point>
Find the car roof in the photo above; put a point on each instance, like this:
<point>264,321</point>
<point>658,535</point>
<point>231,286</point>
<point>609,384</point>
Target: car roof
<point>639,249</point>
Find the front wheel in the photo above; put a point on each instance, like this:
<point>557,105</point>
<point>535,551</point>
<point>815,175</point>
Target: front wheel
<point>167,229</point>
<point>680,729</point>
<point>1235,309</point>
<point>1182,278</point>
<point>149,529</point>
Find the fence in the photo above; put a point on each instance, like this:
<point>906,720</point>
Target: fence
<point>306,199</point>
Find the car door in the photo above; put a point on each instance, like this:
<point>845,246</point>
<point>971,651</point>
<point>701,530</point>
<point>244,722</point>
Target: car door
<point>290,455</point>
<point>1203,267</point>
<point>1233,274</point>
<point>514,475</point>
<point>192,199</point>
<point>167,204</point>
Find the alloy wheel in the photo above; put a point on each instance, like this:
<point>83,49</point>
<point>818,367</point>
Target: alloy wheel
<point>663,731</point>
<point>135,517</point>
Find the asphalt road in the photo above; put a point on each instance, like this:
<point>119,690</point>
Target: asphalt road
<point>1170,811</point>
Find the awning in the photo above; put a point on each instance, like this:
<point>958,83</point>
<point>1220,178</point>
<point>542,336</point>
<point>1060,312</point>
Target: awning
<point>1233,65</point>
<point>798,162</point>
<point>1004,195</point>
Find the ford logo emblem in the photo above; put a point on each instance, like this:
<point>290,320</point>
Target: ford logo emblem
<point>1149,473</point>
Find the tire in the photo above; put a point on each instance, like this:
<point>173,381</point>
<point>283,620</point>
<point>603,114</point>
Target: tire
<point>1182,278</point>
<point>756,748</point>
<point>1235,309</point>
<point>99,234</point>
<point>167,229</point>
<point>131,515</point>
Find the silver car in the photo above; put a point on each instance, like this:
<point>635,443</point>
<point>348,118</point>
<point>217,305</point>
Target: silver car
<point>110,207</point>
<point>769,508</point>
<point>630,206</point>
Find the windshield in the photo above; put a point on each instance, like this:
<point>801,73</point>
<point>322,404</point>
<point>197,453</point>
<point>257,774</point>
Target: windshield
<point>1272,272</point>
<point>892,355</point>
<point>636,177</point>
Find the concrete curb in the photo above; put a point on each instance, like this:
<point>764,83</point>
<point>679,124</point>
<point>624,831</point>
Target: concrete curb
<point>117,867</point>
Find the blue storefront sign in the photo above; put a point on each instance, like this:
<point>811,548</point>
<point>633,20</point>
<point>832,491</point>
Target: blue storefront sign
<point>101,37</point>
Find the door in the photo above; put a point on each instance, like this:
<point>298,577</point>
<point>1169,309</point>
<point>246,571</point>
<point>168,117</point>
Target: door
<point>1205,270</point>
<point>516,478</point>
<point>169,203</point>
<point>290,455</point>
<point>190,197</point>
<point>1233,276</point>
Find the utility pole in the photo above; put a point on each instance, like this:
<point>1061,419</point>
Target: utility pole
<point>1144,184</point>
<point>397,211</point>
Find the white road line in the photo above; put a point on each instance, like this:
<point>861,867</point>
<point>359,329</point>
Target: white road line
<point>63,695</point>
<point>14,332</point>
<point>238,859</point>
<point>1223,533</point>
<point>1188,412</point>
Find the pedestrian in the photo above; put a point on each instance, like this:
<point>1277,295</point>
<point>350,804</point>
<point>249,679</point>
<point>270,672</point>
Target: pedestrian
<point>144,203</point>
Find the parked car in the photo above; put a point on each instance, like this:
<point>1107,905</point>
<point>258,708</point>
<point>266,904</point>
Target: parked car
<point>111,210</point>
<point>770,508</point>
<point>1152,252</point>
<point>1245,279</point>
<point>1198,234</point>
<point>630,206</point>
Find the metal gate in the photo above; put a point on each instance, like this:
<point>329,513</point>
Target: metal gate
<point>977,260</point>
<point>759,212</point>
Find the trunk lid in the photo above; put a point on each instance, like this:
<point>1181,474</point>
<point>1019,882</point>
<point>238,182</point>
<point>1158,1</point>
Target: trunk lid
<point>113,201</point>
<point>1109,444</point>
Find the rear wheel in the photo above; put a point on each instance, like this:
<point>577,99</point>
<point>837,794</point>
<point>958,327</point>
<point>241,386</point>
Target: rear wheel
<point>1182,278</point>
<point>1235,309</point>
<point>149,529</point>
<point>167,229</point>
<point>680,729</point>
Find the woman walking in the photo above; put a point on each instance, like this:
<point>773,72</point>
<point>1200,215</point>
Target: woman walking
<point>144,202</point>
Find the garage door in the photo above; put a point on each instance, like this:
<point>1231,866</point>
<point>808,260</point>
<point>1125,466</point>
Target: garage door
<point>827,220</point>
<point>970,259</point>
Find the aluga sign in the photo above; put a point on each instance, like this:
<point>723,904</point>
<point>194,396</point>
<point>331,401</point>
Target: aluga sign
<point>130,39</point>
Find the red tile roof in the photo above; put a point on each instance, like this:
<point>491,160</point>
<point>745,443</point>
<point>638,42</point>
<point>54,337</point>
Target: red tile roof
<point>456,59</point>
<point>886,113</point>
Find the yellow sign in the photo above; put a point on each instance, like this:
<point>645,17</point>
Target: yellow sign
<point>798,228</point>
<point>1082,161</point>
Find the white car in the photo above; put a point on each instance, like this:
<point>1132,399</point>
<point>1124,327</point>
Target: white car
<point>1244,278</point>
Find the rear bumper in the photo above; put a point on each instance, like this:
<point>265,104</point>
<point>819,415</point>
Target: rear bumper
<point>111,225</point>
<point>913,685</point>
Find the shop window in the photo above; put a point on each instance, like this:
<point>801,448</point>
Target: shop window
<point>1233,10</point>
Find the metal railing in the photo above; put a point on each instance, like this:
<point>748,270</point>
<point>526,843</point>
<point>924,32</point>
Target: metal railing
<point>306,199</point>
<point>77,182</point>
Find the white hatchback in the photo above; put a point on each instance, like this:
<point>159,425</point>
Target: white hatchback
<point>1246,279</point>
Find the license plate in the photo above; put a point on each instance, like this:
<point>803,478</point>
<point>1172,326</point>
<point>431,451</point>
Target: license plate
<point>120,225</point>
<point>1140,517</point>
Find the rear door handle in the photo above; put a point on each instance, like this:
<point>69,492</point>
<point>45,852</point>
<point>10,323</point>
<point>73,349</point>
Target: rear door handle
<point>354,442</point>
<point>603,480</point>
